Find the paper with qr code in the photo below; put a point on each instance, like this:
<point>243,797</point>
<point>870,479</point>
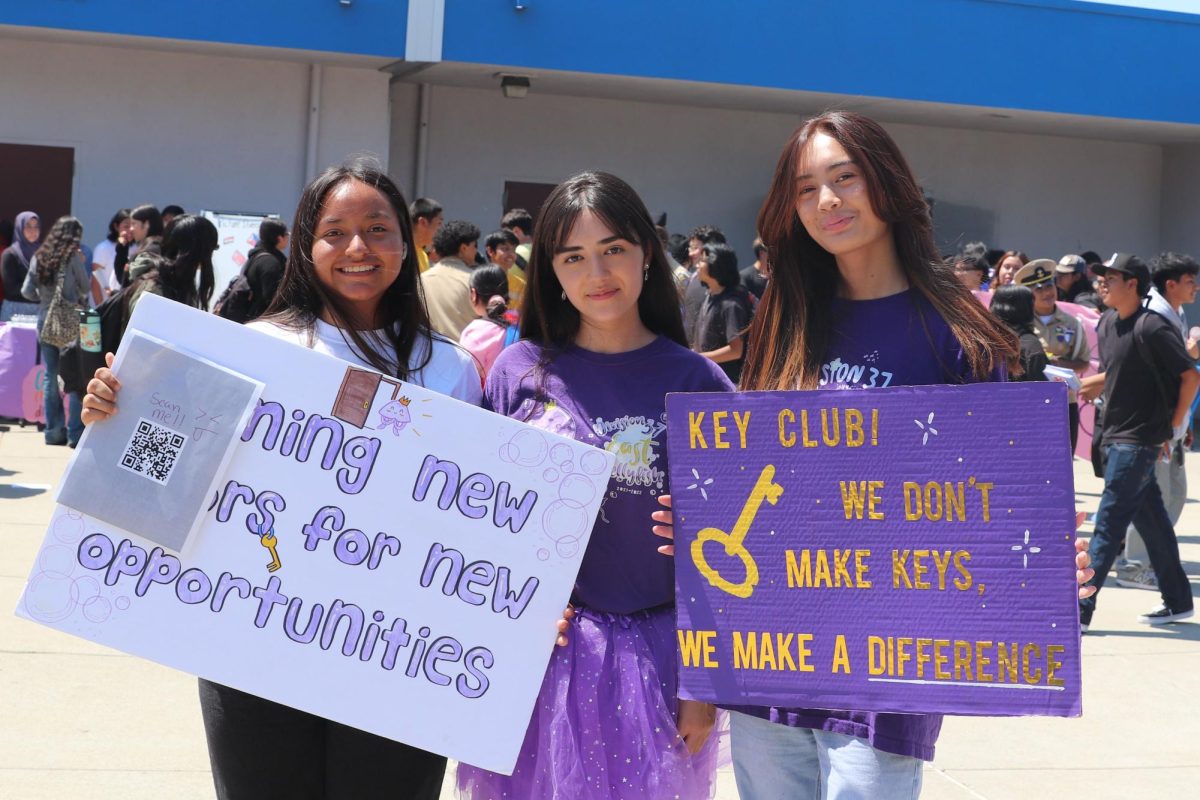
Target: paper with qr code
<point>152,468</point>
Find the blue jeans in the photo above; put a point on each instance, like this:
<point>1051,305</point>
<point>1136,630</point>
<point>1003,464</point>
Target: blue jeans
<point>1131,494</point>
<point>57,429</point>
<point>773,761</point>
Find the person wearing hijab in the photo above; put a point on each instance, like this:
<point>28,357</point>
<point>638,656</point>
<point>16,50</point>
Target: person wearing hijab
<point>14,265</point>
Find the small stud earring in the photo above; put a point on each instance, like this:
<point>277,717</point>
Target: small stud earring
<point>564,295</point>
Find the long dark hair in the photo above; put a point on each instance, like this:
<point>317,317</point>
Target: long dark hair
<point>549,320</point>
<point>791,331</point>
<point>149,214</point>
<point>60,244</point>
<point>187,249</point>
<point>302,298</point>
<point>490,285</point>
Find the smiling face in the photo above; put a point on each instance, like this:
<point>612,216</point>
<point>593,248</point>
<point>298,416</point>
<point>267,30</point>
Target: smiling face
<point>358,248</point>
<point>505,255</point>
<point>833,200</point>
<point>601,274</point>
<point>1044,297</point>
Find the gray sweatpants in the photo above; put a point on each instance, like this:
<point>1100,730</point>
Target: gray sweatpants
<point>1172,482</point>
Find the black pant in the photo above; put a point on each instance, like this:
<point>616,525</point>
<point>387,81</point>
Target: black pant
<point>261,750</point>
<point>1073,421</point>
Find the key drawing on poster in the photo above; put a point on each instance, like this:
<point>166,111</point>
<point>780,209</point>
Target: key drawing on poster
<point>905,549</point>
<point>374,552</point>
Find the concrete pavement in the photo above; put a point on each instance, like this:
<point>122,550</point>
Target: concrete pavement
<point>81,721</point>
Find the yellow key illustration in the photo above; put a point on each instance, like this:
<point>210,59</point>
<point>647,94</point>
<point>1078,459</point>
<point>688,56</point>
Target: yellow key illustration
<point>764,489</point>
<point>269,541</point>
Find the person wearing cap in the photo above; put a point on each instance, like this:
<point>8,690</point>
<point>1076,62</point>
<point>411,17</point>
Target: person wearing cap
<point>1070,278</point>
<point>1148,381</point>
<point>1173,276</point>
<point>1061,334</point>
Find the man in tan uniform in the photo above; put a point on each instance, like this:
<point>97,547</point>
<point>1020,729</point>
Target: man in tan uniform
<point>1061,334</point>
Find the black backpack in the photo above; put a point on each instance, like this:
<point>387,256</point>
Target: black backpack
<point>234,303</point>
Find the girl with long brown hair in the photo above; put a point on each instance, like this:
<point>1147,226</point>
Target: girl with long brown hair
<point>858,298</point>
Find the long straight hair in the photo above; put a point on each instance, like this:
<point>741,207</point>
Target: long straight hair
<point>60,244</point>
<point>551,321</point>
<point>187,249</point>
<point>301,298</point>
<point>791,330</point>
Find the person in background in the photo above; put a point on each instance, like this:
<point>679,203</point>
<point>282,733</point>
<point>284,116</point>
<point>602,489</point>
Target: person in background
<point>104,255</point>
<point>520,222</point>
<point>971,269</point>
<point>1061,334</point>
<point>447,284</point>
<point>426,220</point>
<point>14,265</point>
<point>182,271</point>
<point>486,336</point>
<point>59,258</point>
<point>501,249</point>
<point>264,265</point>
<point>756,276</point>
<point>677,249</point>
<point>1070,278</point>
<point>1013,305</point>
<point>145,237</point>
<point>679,271</point>
<point>1148,381</point>
<point>725,315</point>
<point>1007,266</point>
<point>1173,279</point>
<point>171,212</point>
<point>695,292</point>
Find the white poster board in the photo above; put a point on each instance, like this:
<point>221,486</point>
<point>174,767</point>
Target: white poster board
<point>237,235</point>
<point>416,552</point>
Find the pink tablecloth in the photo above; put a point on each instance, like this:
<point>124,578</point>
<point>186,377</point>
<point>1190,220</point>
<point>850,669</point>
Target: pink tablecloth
<point>20,373</point>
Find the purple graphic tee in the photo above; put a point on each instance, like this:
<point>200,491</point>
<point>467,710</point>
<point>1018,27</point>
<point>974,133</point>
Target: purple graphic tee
<point>899,340</point>
<point>616,401</point>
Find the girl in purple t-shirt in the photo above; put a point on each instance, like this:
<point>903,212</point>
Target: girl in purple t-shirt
<point>602,345</point>
<point>859,298</point>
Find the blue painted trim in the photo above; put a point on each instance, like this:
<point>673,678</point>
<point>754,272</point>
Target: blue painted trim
<point>366,27</point>
<point>1054,55</point>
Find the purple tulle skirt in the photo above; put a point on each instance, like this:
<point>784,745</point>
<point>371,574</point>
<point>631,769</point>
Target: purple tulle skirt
<point>604,723</point>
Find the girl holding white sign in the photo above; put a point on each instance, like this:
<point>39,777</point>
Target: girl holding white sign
<point>349,290</point>
<point>858,298</point>
<point>602,345</point>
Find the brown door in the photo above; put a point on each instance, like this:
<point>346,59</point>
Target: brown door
<point>356,394</point>
<point>528,196</point>
<point>38,179</point>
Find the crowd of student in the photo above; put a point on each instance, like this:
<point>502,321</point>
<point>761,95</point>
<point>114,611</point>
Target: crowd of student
<point>582,323</point>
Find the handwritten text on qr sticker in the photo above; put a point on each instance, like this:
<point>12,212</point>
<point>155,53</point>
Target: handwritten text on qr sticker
<point>152,451</point>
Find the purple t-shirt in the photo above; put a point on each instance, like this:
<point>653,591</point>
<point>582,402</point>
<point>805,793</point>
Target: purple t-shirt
<point>616,401</point>
<point>898,340</point>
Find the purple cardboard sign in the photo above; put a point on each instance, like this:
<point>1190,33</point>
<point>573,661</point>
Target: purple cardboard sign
<point>907,549</point>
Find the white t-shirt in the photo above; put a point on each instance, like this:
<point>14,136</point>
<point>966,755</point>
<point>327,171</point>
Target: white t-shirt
<point>104,254</point>
<point>450,371</point>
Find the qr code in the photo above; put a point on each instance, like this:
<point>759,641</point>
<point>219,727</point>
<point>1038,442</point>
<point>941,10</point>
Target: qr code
<point>153,451</point>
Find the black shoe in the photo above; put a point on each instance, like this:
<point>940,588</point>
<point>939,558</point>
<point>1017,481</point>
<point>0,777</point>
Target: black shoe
<point>1164,616</point>
<point>1085,619</point>
<point>72,445</point>
<point>56,442</point>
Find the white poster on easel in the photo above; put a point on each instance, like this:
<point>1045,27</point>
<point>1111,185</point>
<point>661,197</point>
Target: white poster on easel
<point>374,552</point>
<point>237,235</point>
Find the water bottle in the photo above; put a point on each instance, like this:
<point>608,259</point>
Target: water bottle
<point>89,330</point>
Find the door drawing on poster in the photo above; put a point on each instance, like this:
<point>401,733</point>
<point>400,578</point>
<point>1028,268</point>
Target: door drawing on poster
<point>357,394</point>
